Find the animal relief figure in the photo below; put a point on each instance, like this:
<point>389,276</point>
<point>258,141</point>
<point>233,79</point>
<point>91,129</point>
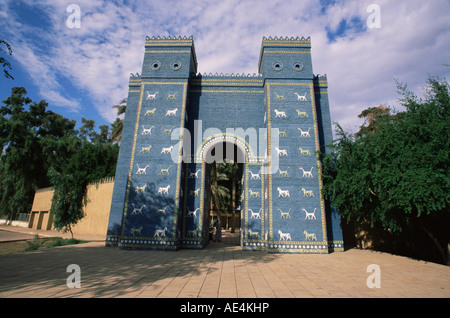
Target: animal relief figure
<point>195,193</point>
<point>164,190</point>
<point>164,171</point>
<point>310,236</point>
<point>279,97</point>
<point>285,215</point>
<point>145,149</point>
<point>193,233</point>
<point>283,173</point>
<point>284,236</point>
<point>281,152</point>
<point>310,215</point>
<point>167,150</point>
<point>194,174</point>
<point>150,112</point>
<point>137,210</point>
<point>254,194</point>
<point>147,131</point>
<point>141,170</point>
<point>307,174</point>
<point>140,189</point>
<point>283,193</point>
<point>304,152</point>
<point>282,133</point>
<point>137,231</point>
<point>252,234</point>
<point>151,96</point>
<point>172,112</point>
<point>308,193</point>
<point>304,133</point>
<point>160,233</point>
<point>279,113</point>
<point>255,215</point>
<point>192,214</point>
<point>255,176</point>
<point>168,131</point>
<point>172,96</point>
<point>301,114</point>
<point>301,97</point>
<point>162,211</point>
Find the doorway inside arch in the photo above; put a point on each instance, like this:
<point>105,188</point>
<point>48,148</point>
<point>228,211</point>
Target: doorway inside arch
<point>224,165</point>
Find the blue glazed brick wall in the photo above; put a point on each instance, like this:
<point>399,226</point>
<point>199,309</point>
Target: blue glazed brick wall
<point>277,119</point>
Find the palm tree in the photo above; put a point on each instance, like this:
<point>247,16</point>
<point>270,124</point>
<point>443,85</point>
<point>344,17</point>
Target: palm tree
<point>219,193</point>
<point>229,174</point>
<point>117,125</point>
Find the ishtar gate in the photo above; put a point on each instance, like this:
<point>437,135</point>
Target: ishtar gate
<point>178,122</point>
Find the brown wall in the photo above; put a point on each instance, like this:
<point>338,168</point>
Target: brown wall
<point>40,211</point>
<point>95,221</point>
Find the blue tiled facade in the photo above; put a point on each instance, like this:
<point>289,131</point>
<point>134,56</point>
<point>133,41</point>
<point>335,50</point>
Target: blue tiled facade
<point>278,120</point>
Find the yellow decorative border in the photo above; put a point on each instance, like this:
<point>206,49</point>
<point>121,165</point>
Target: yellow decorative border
<point>133,150</point>
<point>225,91</point>
<point>169,43</point>
<point>246,198</point>
<point>286,43</point>
<point>286,52</point>
<point>225,137</point>
<point>203,150</point>
<point>168,51</point>
<point>319,176</point>
<point>226,82</point>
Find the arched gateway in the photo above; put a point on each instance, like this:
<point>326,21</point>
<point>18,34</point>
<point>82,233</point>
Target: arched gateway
<point>278,120</point>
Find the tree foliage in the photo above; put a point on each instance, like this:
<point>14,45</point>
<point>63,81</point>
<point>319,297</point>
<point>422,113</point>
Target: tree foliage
<point>394,172</point>
<point>90,157</point>
<point>29,139</point>
<point>4,62</point>
<point>117,125</point>
<point>40,149</point>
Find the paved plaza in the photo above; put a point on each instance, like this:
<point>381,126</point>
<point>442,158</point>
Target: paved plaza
<point>221,270</point>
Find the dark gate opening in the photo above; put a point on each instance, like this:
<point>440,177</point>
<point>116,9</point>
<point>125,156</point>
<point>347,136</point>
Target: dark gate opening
<point>225,163</point>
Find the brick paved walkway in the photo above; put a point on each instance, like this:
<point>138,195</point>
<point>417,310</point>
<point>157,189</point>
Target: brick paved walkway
<point>221,270</point>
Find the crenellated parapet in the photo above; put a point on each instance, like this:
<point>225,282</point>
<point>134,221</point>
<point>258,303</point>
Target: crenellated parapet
<point>287,41</point>
<point>243,75</point>
<point>158,40</point>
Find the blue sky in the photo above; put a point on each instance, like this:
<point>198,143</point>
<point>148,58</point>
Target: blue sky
<point>82,72</point>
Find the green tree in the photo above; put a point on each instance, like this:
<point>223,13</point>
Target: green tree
<point>90,158</point>
<point>232,174</point>
<point>371,117</point>
<point>29,139</point>
<point>4,62</point>
<point>40,148</point>
<point>117,125</point>
<point>219,193</point>
<point>395,173</point>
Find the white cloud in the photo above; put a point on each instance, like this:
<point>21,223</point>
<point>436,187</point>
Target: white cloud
<point>361,70</point>
<point>43,75</point>
<point>361,65</point>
